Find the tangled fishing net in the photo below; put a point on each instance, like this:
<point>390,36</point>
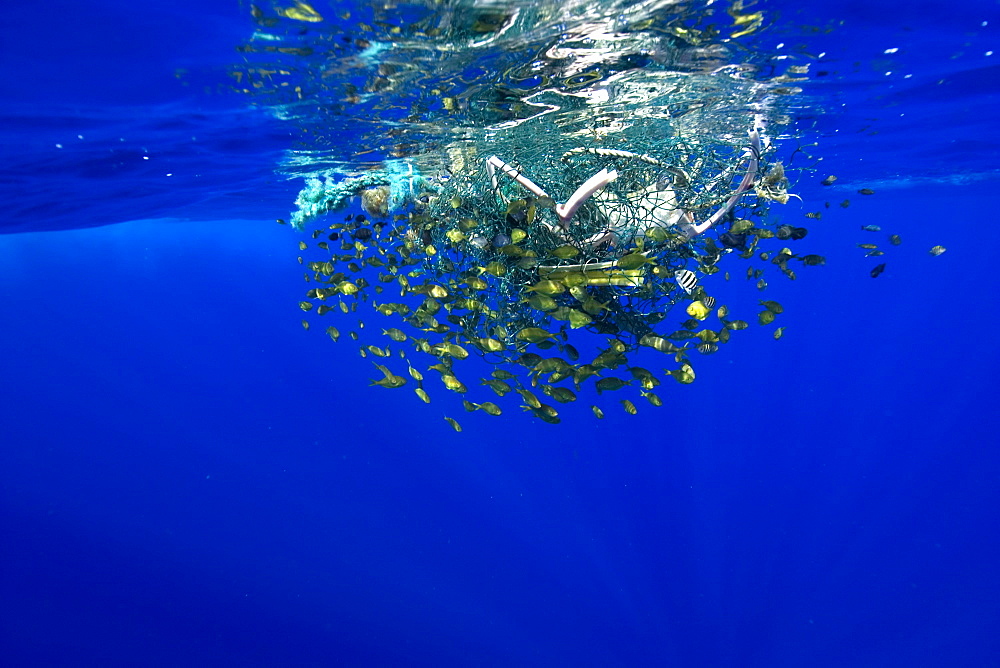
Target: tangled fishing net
<point>568,217</point>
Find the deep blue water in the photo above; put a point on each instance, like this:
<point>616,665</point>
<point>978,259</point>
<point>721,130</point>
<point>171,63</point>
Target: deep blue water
<point>189,478</point>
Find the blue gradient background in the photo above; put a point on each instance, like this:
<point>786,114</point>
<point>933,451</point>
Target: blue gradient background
<point>188,478</point>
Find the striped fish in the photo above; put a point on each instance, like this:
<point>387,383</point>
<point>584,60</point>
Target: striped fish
<point>686,279</point>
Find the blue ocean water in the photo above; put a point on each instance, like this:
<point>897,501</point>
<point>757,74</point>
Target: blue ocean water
<point>189,478</point>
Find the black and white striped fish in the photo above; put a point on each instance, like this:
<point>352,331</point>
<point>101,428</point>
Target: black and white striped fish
<point>686,279</point>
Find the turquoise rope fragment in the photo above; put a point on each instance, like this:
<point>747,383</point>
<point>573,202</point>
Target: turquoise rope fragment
<point>326,192</point>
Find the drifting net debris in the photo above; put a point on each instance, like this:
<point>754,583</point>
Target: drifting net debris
<point>557,220</point>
